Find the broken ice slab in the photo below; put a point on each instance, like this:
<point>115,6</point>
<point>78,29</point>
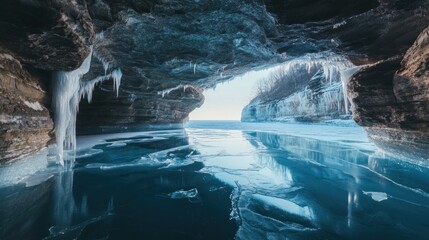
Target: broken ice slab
<point>377,196</point>
<point>182,194</point>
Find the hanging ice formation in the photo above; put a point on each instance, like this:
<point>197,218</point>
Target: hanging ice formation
<point>321,92</point>
<point>68,89</point>
<point>336,70</point>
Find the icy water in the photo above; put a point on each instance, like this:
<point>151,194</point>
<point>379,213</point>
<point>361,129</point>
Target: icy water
<point>219,180</point>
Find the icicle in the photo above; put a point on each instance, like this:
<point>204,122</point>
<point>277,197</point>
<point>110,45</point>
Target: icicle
<point>195,67</point>
<point>345,79</point>
<point>116,75</point>
<point>337,71</point>
<point>68,89</point>
<point>65,102</point>
<point>87,87</point>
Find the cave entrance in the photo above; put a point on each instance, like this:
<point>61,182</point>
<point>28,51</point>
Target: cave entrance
<point>227,100</point>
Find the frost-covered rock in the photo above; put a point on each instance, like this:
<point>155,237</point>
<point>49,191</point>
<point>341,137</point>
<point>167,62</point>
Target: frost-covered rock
<point>304,89</point>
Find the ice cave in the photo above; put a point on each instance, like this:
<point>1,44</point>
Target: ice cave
<point>214,119</point>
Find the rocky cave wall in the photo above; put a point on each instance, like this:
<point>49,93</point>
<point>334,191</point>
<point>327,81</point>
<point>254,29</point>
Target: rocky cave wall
<point>36,38</point>
<point>169,51</point>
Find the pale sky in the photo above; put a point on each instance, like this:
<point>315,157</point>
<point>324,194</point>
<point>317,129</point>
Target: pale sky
<point>229,98</point>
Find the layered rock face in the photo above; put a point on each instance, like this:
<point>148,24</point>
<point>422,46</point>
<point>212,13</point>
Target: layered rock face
<point>391,99</point>
<point>389,94</point>
<point>25,122</point>
<point>36,37</point>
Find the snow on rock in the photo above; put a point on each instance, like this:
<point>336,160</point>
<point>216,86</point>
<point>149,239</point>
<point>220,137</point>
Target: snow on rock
<point>34,105</point>
<point>168,91</point>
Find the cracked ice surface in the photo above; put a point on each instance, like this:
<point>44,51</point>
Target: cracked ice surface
<point>274,181</point>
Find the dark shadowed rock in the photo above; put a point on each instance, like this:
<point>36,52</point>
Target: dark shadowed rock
<point>47,34</point>
<point>50,35</point>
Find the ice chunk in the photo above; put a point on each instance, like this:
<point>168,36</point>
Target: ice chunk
<point>285,205</point>
<point>117,144</point>
<point>168,153</point>
<point>181,194</point>
<point>377,196</point>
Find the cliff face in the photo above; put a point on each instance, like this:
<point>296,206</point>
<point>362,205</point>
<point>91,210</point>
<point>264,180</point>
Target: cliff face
<point>36,37</point>
<point>308,105</point>
<point>391,100</point>
<point>309,89</point>
<point>25,122</point>
<point>169,51</point>
<point>385,37</point>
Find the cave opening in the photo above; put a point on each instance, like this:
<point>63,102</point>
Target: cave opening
<point>226,100</point>
<point>300,96</point>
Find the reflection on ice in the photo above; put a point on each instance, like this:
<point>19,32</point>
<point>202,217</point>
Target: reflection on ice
<point>272,186</point>
<point>327,181</point>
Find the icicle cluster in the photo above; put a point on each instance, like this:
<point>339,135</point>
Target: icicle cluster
<point>65,102</point>
<point>324,94</point>
<point>335,68</point>
<point>68,89</point>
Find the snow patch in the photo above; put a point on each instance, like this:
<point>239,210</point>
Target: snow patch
<point>34,105</point>
<point>377,196</point>
<point>338,25</point>
<point>169,90</point>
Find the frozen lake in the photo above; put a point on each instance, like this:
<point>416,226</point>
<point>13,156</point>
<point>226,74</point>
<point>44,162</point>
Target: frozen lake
<point>219,180</point>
